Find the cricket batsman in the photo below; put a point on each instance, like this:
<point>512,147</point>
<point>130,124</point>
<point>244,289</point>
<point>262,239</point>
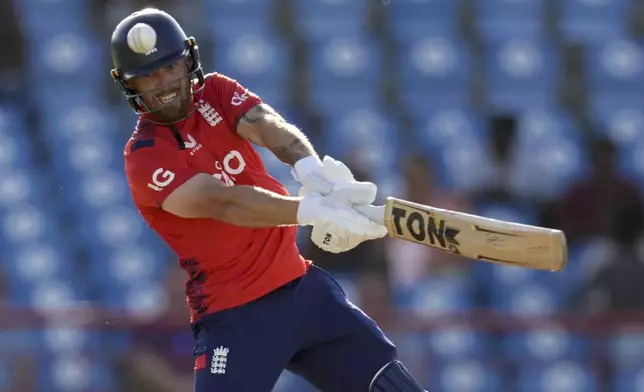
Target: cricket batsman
<point>257,306</point>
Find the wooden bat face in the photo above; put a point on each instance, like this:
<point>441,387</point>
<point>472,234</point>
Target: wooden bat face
<point>476,237</point>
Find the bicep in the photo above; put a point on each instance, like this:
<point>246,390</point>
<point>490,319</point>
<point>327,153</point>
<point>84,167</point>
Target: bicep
<point>202,196</point>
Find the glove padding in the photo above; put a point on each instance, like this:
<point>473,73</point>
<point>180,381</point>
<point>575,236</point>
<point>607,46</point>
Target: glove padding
<point>336,179</point>
<point>333,237</point>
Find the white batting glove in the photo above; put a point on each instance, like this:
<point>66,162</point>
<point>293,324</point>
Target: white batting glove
<point>335,179</point>
<point>323,176</point>
<point>332,212</point>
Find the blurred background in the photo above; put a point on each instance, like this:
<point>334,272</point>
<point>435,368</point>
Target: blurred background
<point>524,110</point>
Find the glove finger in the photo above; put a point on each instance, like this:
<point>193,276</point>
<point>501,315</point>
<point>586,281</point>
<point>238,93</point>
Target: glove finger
<point>360,193</point>
<point>336,170</point>
<point>319,184</point>
<point>375,213</point>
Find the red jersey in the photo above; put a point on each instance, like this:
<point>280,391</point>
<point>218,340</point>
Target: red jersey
<point>227,265</point>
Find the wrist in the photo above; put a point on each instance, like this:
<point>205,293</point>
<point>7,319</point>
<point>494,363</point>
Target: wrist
<point>307,211</point>
<point>305,166</point>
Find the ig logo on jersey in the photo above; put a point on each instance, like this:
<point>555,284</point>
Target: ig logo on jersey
<point>161,178</point>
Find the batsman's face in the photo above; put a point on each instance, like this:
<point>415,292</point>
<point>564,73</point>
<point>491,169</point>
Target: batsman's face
<point>166,91</point>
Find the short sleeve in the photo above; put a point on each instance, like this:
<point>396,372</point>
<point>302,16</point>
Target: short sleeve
<point>235,99</point>
<point>154,172</point>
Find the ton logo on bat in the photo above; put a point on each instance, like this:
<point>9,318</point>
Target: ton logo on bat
<point>422,227</point>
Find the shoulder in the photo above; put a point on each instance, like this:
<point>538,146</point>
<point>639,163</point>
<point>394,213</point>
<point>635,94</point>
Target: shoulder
<point>146,142</point>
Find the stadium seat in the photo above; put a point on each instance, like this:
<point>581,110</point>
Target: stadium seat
<point>455,342</point>
<point>344,69</point>
<point>436,297</point>
<point>507,19</point>
<point>62,57</point>
<point>546,170</point>
<point>320,20</point>
<point>529,300</point>
<point>438,128</point>
<point>409,20</point>
<point>616,68</point>
<point>73,373</point>
<point>558,377</point>
<point>521,74</point>
<point>464,166</point>
<point>625,350</point>
<point>543,345</point>
<point>230,18</point>
<point>586,21</point>
<point>628,381</point>
<point>431,70</point>
<point>631,162</point>
<point>126,265</point>
<point>140,301</point>
<point>368,133</point>
<point>466,375</point>
<point>620,118</point>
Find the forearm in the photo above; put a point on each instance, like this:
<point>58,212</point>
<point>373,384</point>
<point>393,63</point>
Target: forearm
<point>249,206</point>
<point>264,126</point>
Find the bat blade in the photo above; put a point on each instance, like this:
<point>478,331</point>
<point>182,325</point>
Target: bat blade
<point>476,237</point>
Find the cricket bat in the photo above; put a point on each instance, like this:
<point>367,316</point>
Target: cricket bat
<point>477,237</point>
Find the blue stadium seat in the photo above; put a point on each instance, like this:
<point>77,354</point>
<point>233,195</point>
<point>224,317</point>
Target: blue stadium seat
<point>15,342</point>
<point>72,114</point>
<point>543,345</point>
<point>433,69</point>
<point>456,342</point>
<point>26,223</point>
<point>20,186</point>
<point>439,128</point>
<point>463,166</point>
<point>227,18</point>
<point>506,19</point>
<point>626,350</point>
<point>616,68</point>
<point>6,375</point>
<point>73,373</point>
<point>632,162</point>
<point>368,133</point>
<point>546,169</point>
<point>621,119</point>
<point>585,21</point>
<point>435,297</point>
<point>99,189</point>
<point>113,226</point>
<point>466,375</point>
<point>62,57</point>
<point>15,151</point>
<point>86,155</point>
<point>521,74</point>
<point>628,380</point>
<point>145,299</point>
<point>318,20</point>
<point>126,265</point>
<point>529,300</point>
<point>252,59</point>
<point>51,295</point>
<point>558,377</point>
<point>39,261</point>
<point>409,20</point>
<point>340,67</point>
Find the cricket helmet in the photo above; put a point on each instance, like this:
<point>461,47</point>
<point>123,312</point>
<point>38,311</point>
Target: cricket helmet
<point>146,41</point>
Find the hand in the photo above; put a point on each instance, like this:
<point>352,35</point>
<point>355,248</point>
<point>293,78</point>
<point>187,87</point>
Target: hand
<point>324,177</point>
<point>330,176</point>
<point>337,226</point>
